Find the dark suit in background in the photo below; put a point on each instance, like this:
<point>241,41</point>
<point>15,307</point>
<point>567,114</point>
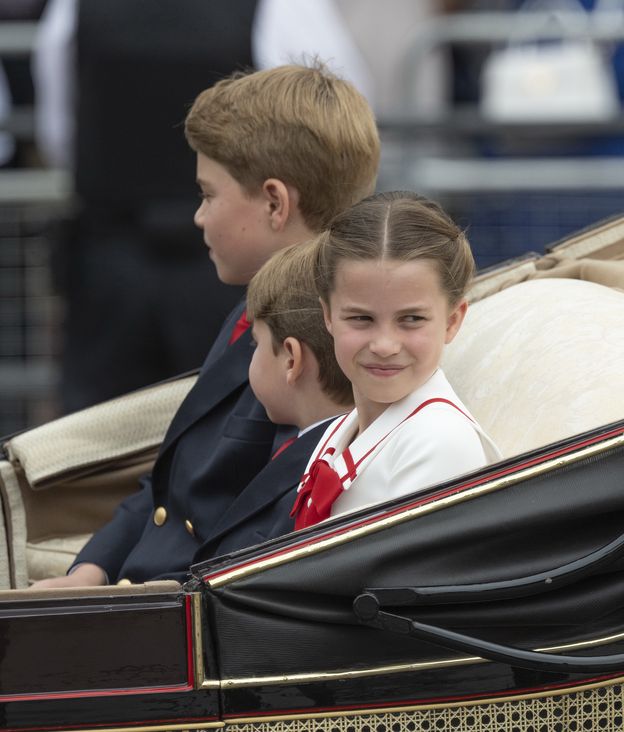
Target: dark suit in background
<point>143,299</point>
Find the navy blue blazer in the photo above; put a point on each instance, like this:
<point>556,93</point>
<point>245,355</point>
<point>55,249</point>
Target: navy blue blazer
<point>218,441</point>
<point>262,510</point>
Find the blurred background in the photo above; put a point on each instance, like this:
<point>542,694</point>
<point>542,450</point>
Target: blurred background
<point>507,112</point>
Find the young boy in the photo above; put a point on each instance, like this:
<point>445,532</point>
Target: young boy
<point>279,153</point>
<point>294,374</point>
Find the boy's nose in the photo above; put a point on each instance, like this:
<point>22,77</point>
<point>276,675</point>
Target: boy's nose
<point>198,218</point>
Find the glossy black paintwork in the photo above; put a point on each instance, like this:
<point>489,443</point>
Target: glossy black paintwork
<point>109,711</point>
<point>298,618</point>
<point>70,646</point>
<point>90,661</point>
<point>397,689</point>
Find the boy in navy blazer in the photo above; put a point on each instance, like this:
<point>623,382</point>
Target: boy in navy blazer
<point>294,374</point>
<point>279,153</point>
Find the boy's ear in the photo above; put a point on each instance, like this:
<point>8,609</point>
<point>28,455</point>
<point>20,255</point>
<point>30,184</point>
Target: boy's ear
<point>281,202</point>
<point>294,359</point>
<point>455,319</point>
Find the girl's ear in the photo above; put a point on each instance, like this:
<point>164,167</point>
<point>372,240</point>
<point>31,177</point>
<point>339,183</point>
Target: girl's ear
<point>281,201</point>
<point>455,319</point>
<point>326,315</point>
<point>293,349</point>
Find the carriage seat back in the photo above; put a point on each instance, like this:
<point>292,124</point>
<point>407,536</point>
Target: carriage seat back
<point>541,361</point>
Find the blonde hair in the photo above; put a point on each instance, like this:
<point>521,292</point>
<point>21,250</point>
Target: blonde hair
<point>399,225</point>
<point>283,295</point>
<point>302,125</point>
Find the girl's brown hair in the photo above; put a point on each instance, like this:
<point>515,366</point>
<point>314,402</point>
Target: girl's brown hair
<point>398,225</point>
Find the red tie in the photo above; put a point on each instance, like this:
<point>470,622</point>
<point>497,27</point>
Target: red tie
<point>240,327</point>
<point>315,499</point>
<point>282,447</point>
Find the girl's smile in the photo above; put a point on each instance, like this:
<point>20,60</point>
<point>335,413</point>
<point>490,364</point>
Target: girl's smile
<point>383,371</point>
<point>390,321</point>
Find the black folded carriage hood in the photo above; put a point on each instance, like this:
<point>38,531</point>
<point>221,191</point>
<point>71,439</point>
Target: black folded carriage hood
<point>405,601</point>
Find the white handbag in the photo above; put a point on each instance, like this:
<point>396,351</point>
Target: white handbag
<point>565,79</point>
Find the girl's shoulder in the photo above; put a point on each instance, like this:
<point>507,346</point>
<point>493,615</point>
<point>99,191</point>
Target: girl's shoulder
<point>439,422</point>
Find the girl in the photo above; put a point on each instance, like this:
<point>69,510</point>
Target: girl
<point>392,275</point>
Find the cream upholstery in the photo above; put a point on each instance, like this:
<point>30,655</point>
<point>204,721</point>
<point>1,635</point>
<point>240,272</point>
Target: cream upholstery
<point>52,557</point>
<point>5,548</point>
<point>13,570</point>
<point>595,255</point>
<point>63,480</point>
<point>541,361</point>
<point>156,587</point>
<point>112,430</point>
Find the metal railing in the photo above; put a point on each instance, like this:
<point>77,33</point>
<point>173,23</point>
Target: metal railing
<point>498,178</point>
<point>30,200</point>
<point>415,132</point>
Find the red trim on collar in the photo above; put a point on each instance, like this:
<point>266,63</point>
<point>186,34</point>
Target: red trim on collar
<point>346,455</point>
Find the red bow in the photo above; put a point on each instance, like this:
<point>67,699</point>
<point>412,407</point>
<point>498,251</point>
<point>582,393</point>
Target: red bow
<point>317,495</point>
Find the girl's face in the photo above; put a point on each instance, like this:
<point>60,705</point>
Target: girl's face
<point>390,321</point>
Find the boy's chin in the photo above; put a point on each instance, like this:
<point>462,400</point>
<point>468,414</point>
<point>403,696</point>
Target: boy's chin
<point>231,277</point>
<point>279,417</point>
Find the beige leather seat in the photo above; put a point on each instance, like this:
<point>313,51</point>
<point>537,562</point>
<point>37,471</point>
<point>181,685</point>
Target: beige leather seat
<point>541,361</point>
<point>63,480</point>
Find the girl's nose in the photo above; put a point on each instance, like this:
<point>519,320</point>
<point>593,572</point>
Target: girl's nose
<point>385,345</point>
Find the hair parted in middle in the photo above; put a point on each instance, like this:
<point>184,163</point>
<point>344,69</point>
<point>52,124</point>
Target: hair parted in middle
<point>300,124</point>
<point>283,295</point>
<point>396,225</point>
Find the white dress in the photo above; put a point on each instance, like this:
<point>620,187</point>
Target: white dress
<point>424,439</point>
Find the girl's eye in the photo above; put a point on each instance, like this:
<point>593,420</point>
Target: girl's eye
<point>360,318</point>
<point>204,196</point>
<point>410,319</point>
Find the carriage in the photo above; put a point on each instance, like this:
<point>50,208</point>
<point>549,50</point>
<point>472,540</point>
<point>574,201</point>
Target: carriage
<point>494,601</point>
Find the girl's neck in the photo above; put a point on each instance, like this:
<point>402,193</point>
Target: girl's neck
<point>367,413</point>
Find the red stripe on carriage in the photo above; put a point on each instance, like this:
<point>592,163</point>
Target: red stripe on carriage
<point>190,652</point>
<point>95,693</point>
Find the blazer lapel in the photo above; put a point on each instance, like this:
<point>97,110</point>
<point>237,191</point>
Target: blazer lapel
<point>220,344</point>
<point>277,478</point>
<point>215,383</point>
